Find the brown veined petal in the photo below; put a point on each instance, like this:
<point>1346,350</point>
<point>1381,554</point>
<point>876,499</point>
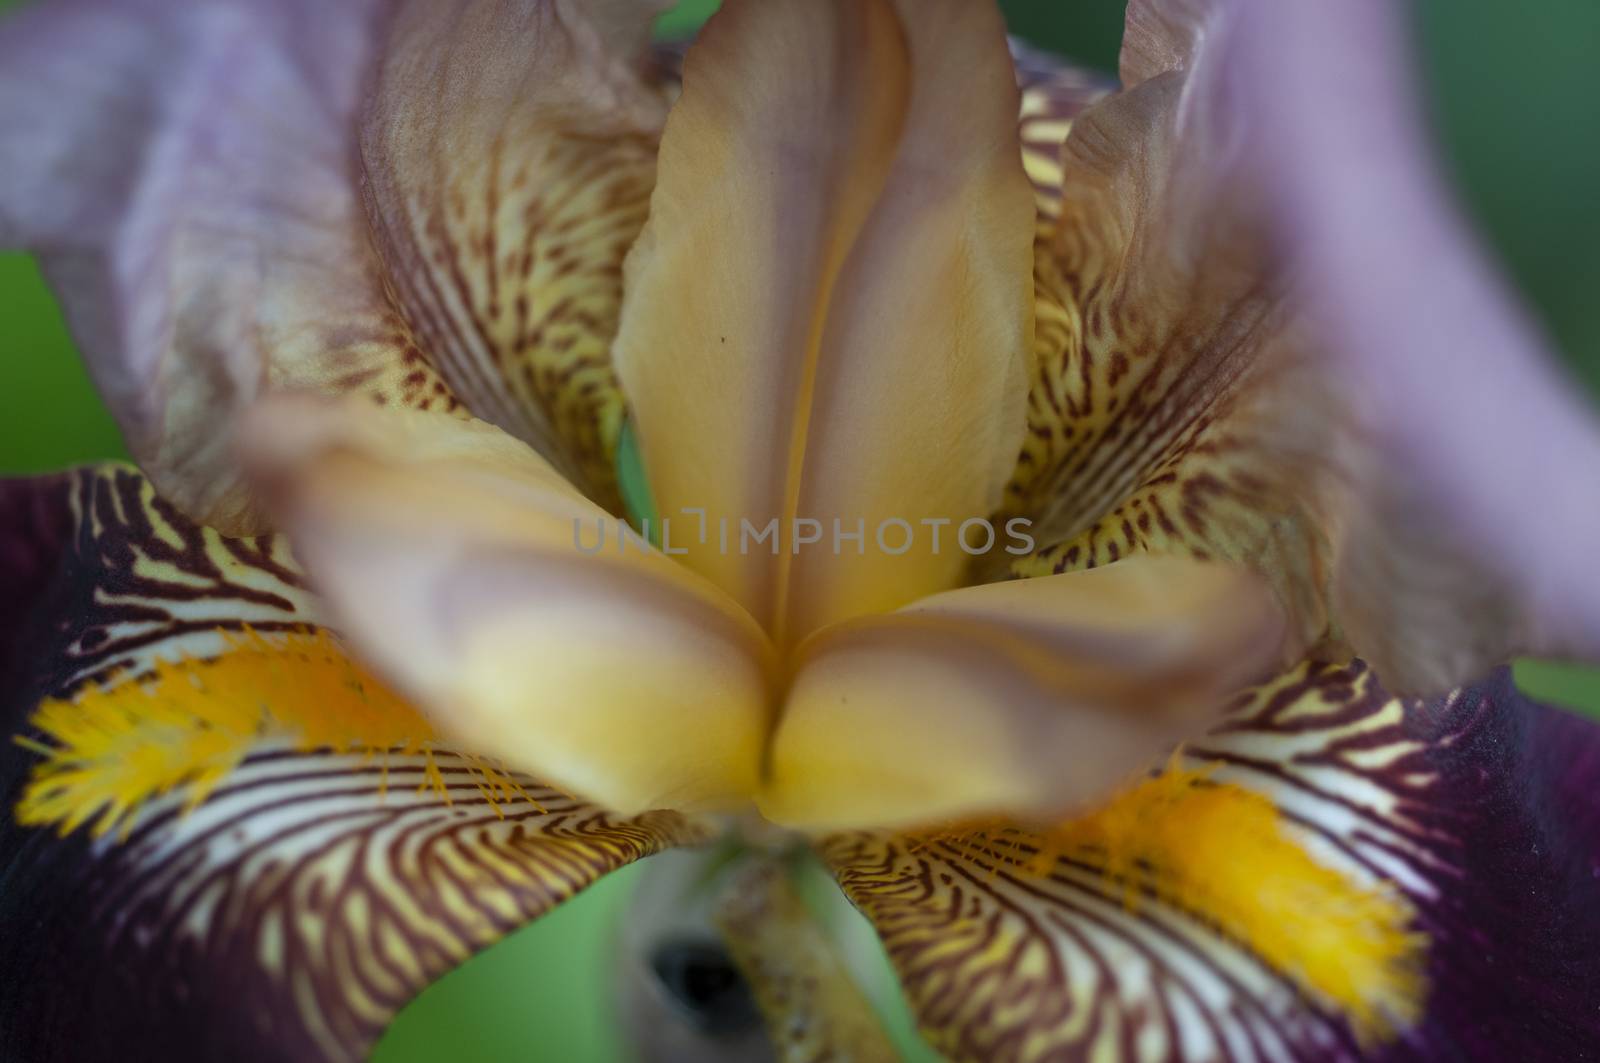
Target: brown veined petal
<point>1175,408</point>
<point>103,575</point>
<point>1163,308</point>
<point>519,615</point>
<point>221,838</point>
<point>1024,699</point>
<point>1248,374</point>
<point>509,153</point>
<point>1334,873</point>
<point>295,912</point>
<point>828,315</point>
<point>186,174</point>
<point>1053,95</point>
<point>1473,516</point>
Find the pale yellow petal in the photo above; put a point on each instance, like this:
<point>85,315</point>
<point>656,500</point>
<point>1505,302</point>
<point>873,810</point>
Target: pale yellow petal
<point>450,554</point>
<point>1026,700</point>
<point>829,313</point>
<point>929,334</point>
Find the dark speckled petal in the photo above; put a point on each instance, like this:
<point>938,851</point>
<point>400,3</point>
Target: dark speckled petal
<point>1267,334</point>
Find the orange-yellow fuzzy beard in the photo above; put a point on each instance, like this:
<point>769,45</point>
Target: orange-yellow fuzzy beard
<point>1222,854</point>
<point>185,725</point>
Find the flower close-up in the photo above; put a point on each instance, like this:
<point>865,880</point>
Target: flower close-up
<point>1082,522</point>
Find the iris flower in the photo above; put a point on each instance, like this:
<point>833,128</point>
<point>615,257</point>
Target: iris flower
<point>1186,742</point>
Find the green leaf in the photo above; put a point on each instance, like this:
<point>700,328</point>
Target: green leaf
<point>1571,686</point>
<point>50,415</point>
<point>685,18</point>
<point>637,500</point>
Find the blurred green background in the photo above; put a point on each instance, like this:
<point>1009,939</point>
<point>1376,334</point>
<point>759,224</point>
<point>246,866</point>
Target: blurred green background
<point>1516,95</point>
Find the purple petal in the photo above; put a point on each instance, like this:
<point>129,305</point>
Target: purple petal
<point>311,893</point>
<point>1484,450</point>
<point>1479,818</point>
<point>186,174</point>
<point>1477,808</point>
<point>35,522</point>
<point>1389,439</point>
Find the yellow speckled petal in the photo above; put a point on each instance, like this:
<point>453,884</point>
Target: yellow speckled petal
<point>829,314</point>
<point>1202,912</point>
<point>223,838</point>
<point>514,610</point>
<point>1180,918</point>
<point>1195,392</point>
<point>1174,409</point>
<point>1156,313</point>
<point>1025,699</point>
<point>509,151</point>
<point>1246,482</point>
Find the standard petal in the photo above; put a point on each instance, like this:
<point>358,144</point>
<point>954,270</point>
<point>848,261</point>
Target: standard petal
<point>220,838</point>
<point>1159,311</point>
<point>1420,893</point>
<point>1164,35</point>
<point>186,174</point>
<point>1200,391</point>
<point>509,153</point>
<point>1027,699</point>
<point>829,314</point>
<point>1476,479</point>
<point>519,614</point>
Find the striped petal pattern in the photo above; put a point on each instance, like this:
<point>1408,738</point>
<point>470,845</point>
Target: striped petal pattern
<point>1221,374</point>
<point>285,910</point>
<point>509,153</point>
<point>1013,949</point>
<point>120,577</point>
<point>291,915</point>
<point>1053,94</point>
<point>1164,367</point>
